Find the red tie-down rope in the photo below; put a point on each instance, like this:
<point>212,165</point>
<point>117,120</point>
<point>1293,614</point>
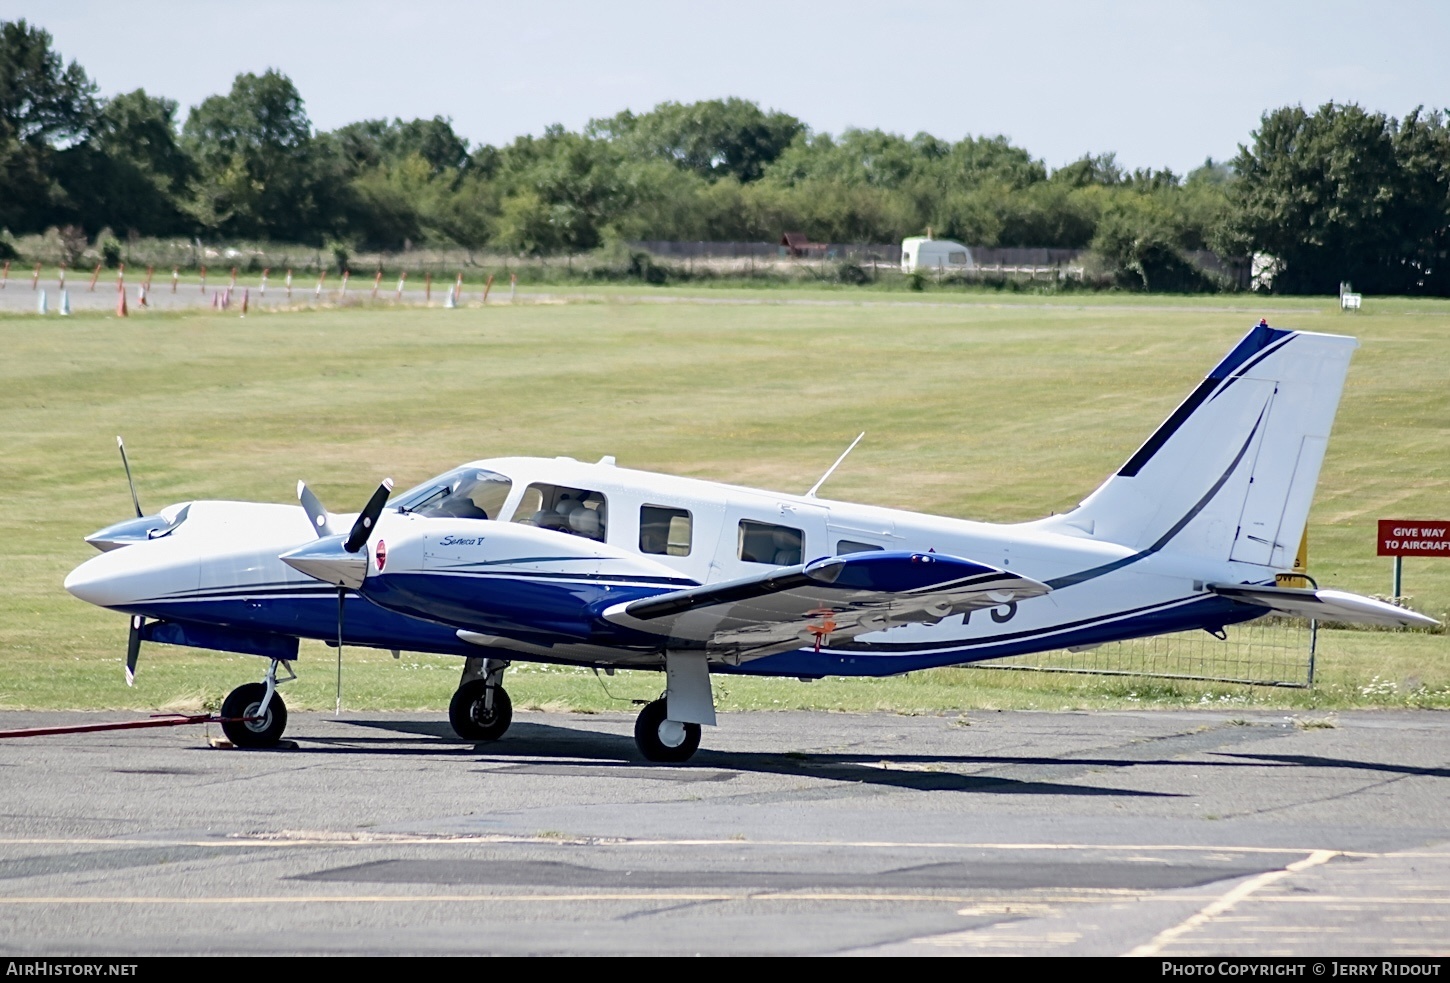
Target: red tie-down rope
<point>158,720</point>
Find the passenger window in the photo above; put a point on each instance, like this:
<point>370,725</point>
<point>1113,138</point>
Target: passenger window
<point>844,546</point>
<point>664,531</point>
<point>761,542</point>
<point>578,511</point>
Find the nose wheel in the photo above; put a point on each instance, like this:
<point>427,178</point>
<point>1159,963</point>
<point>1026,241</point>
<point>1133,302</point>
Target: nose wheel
<point>249,723</point>
<point>661,739</point>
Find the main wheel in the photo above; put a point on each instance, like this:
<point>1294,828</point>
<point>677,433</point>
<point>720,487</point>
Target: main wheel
<point>662,739</point>
<point>471,720</point>
<point>245,701</point>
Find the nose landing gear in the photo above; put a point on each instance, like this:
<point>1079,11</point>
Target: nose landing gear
<point>253,714</point>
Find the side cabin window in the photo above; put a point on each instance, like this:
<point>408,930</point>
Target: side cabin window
<point>844,546</point>
<point>762,542</point>
<point>579,511</point>
<point>664,531</point>
<point>957,258</point>
<point>463,493</point>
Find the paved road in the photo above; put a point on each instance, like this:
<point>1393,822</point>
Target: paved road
<point>18,297</point>
<point>21,298</point>
<point>1156,833</point>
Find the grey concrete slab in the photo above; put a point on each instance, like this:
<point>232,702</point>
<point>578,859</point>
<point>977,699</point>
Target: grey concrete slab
<point>1171,833</point>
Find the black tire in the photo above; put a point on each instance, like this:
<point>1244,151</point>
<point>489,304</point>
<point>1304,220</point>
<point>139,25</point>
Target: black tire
<point>244,701</point>
<point>647,737</point>
<point>471,721</point>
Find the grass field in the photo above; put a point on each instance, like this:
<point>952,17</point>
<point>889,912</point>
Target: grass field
<point>990,407</point>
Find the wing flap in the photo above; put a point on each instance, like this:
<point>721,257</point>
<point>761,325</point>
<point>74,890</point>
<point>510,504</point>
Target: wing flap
<point>1324,604</point>
<point>839,596</point>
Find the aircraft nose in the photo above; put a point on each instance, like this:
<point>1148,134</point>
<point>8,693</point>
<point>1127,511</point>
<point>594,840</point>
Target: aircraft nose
<point>95,583</point>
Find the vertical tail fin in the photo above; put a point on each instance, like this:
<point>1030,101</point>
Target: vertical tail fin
<point>1231,473</point>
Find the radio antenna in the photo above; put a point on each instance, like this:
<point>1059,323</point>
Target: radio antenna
<point>832,469</point>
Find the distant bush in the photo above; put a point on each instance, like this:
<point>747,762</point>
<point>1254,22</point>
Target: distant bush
<point>643,267</point>
<point>109,247</point>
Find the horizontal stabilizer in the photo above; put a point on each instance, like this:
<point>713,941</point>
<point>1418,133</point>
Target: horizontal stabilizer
<point>1324,605</point>
<point>835,597</point>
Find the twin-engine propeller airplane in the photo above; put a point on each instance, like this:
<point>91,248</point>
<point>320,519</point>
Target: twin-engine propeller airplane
<point>532,559</point>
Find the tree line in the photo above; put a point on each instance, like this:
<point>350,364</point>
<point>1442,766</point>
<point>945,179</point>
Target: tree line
<point>1336,194</point>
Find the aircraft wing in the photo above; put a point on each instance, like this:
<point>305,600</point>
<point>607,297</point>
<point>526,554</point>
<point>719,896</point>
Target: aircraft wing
<point>1323,604</point>
<point>834,597</point>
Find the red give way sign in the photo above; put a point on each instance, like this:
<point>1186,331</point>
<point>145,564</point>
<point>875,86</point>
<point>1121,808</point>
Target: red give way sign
<point>1414,537</point>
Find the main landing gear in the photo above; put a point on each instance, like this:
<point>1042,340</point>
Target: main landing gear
<point>253,714</point>
<point>661,739</point>
<point>481,709</point>
<point>668,730</point>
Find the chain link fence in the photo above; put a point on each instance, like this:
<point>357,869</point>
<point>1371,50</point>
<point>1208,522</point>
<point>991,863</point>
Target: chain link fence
<point>1266,652</point>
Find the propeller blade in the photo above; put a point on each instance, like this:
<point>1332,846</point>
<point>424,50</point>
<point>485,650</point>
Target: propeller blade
<point>127,465</point>
<point>133,648</point>
<point>313,507</point>
<point>368,518</point>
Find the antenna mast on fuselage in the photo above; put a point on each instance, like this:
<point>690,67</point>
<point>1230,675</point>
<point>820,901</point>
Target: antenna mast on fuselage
<point>832,469</point>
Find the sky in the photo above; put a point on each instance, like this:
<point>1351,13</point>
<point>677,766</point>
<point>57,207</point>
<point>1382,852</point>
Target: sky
<point>1161,84</point>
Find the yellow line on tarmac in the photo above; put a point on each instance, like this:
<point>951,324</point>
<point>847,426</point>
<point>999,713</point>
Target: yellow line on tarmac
<point>369,899</point>
<point>1228,900</point>
<point>497,898</point>
<point>1351,902</point>
<point>1106,895</point>
<point>375,840</point>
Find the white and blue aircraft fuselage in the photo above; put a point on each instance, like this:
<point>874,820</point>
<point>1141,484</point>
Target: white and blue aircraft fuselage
<point>557,560</point>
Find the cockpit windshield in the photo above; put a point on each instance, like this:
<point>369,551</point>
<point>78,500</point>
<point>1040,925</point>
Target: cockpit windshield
<point>463,493</point>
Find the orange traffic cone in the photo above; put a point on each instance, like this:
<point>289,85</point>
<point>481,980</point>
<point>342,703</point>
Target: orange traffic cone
<point>121,310</point>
